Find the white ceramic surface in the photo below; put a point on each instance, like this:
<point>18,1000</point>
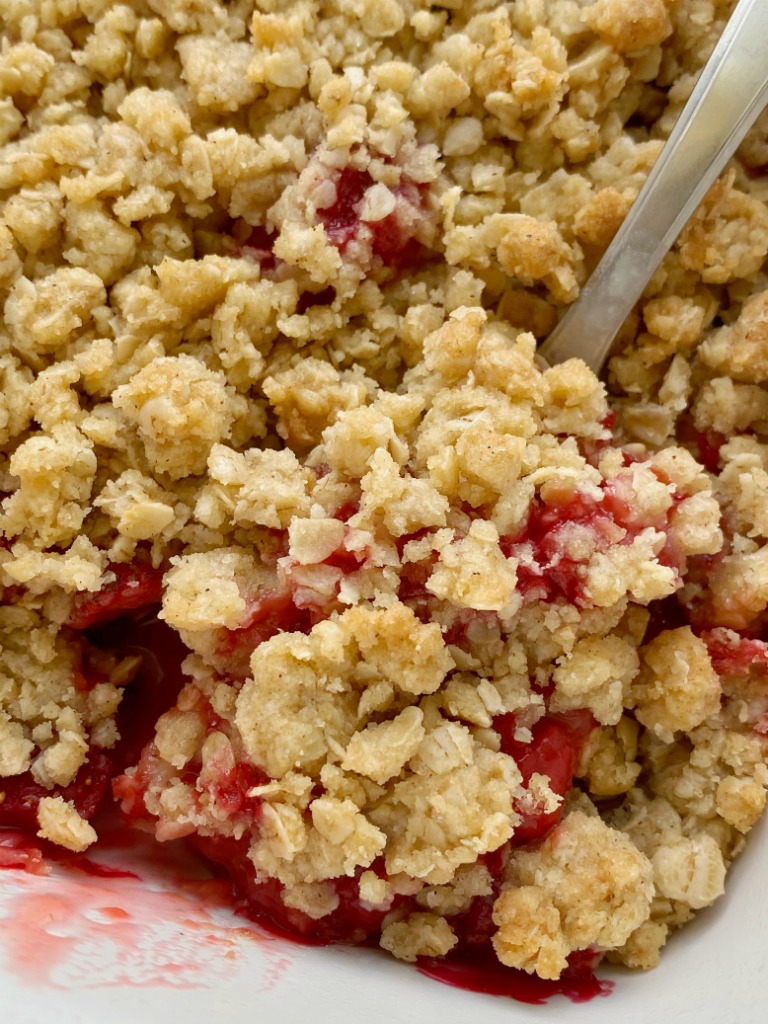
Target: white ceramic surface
<point>86,950</point>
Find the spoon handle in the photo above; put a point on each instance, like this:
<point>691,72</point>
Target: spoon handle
<point>730,93</point>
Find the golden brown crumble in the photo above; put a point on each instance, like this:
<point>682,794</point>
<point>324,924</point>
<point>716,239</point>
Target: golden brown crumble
<point>273,275</point>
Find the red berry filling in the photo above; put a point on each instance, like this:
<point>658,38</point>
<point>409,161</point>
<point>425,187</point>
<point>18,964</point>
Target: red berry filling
<point>226,785</point>
<point>261,899</point>
<point>704,445</point>
<point>336,567</point>
<point>137,587</point>
<point>223,783</point>
<point>17,851</point>
<point>258,247</point>
<point>268,614</point>
<point>734,655</point>
<point>546,571</point>
<point>231,789</point>
<point>131,788</point>
<point>390,235</point>
<point>20,794</point>
<point>482,972</point>
<point>554,752</point>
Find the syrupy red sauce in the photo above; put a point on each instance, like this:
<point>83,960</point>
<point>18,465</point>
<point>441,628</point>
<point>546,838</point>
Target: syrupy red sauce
<point>544,572</point>
<point>165,923</point>
<point>342,219</point>
<point>482,972</point>
<point>472,966</point>
<point>86,866</point>
<point>351,922</point>
<point>231,791</point>
<point>18,851</point>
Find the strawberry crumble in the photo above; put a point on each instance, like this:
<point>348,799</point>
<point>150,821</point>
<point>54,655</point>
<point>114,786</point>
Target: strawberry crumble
<point>465,656</point>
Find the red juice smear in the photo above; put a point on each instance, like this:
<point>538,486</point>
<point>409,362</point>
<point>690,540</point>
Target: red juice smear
<point>91,867</point>
<point>20,849</point>
<point>483,973</point>
<point>159,925</point>
<point>149,937</point>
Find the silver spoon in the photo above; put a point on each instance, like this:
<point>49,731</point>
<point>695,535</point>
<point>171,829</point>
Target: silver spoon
<point>730,93</point>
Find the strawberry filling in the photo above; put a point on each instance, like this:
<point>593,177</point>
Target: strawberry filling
<point>390,235</point>
<point>547,572</point>
<point>482,972</point>
<point>136,587</point>
<point>257,246</point>
<point>553,752</point>
<point>261,899</point>
<point>269,613</point>
<point>704,445</point>
<point>734,655</point>
<point>544,571</point>
<point>20,794</point>
<point>17,851</point>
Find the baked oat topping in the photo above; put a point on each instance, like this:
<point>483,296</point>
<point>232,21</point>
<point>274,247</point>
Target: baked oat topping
<point>476,653</point>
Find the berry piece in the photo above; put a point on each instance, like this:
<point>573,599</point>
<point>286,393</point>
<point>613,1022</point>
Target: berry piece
<point>20,795</point>
<point>136,587</point>
<point>554,752</point>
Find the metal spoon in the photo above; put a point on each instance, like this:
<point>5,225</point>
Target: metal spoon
<point>730,93</point>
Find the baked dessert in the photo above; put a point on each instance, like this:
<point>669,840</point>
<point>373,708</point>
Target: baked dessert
<point>474,647</point>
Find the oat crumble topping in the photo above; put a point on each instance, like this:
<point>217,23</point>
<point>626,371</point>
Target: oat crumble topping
<point>476,647</point>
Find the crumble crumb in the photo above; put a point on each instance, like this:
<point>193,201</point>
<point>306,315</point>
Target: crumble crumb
<point>60,823</point>
<point>419,935</point>
<point>677,688</point>
<point>570,886</point>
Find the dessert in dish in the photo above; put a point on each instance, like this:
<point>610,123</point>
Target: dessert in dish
<point>473,648</point>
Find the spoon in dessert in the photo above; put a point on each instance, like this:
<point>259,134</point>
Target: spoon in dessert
<point>730,93</point>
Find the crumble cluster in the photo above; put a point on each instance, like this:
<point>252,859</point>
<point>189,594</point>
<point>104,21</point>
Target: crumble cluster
<point>470,639</point>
